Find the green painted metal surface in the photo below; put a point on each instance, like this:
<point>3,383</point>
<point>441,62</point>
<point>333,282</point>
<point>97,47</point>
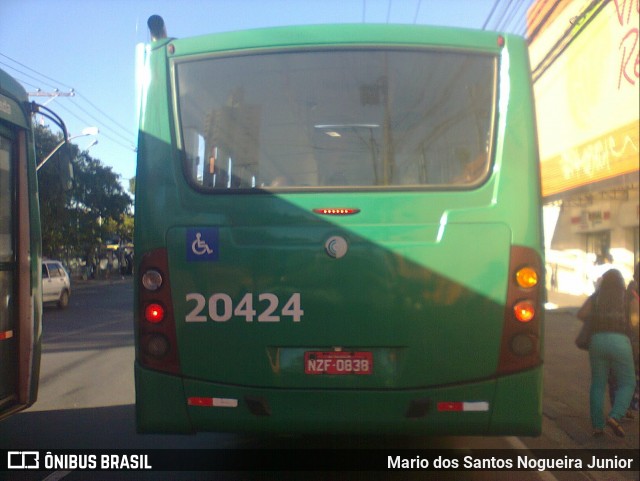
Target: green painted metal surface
<point>16,128</point>
<point>422,285</point>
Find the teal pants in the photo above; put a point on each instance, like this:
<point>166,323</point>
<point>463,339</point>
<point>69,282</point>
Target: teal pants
<point>610,351</point>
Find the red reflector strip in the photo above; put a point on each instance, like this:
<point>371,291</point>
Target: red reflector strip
<point>200,401</point>
<point>212,402</point>
<point>6,335</point>
<point>336,211</point>
<point>449,406</point>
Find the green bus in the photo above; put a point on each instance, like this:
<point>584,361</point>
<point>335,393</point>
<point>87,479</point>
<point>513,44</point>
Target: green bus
<point>20,252</point>
<point>21,243</point>
<point>338,229</point>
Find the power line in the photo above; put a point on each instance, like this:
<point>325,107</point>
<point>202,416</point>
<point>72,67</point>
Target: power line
<point>583,20</point>
<point>24,82</point>
<point>509,15</point>
<point>506,6</point>
<point>115,122</point>
<point>512,16</point>
<point>537,9</point>
<point>97,119</point>
<point>73,114</point>
<point>519,19</point>
<point>28,75</point>
<point>493,9</point>
<point>521,26</point>
<point>130,147</point>
<point>123,140</point>
<point>126,137</point>
<point>542,23</point>
<point>518,23</point>
<point>415,17</point>
<point>35,71</point>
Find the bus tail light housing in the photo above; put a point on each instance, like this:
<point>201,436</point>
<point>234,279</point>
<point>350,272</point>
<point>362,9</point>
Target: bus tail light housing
<point>157,346</point>
<point>523,314</point>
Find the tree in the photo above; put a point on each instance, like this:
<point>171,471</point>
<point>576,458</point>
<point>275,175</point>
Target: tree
<point>122,229</point>
<point>74,221</point>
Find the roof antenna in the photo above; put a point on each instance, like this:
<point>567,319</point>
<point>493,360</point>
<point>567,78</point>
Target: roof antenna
<point>156,27</point>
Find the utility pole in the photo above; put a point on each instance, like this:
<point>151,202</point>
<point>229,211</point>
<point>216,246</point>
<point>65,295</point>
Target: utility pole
<point>55,93</point>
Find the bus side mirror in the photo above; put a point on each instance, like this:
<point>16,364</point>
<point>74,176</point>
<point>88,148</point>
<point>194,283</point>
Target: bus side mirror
<point>64,167</point>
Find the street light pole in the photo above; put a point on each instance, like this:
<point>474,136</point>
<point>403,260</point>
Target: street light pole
<point>86,131</point>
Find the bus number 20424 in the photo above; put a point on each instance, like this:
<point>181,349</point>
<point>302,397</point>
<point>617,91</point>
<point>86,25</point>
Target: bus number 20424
<point>221,308</point>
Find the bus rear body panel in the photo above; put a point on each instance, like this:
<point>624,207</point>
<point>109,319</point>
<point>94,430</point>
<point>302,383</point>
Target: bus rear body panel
<point>381,296</point>
<point>230,408</point>
<point>395,298</point>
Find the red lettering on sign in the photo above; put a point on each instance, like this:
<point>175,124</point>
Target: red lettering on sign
<point>628,47</point>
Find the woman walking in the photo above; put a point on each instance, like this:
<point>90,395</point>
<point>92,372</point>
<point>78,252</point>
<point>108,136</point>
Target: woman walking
<point>610,350</point>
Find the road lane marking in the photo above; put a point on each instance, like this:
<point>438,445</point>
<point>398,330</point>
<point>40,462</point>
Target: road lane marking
<point>68,334</point>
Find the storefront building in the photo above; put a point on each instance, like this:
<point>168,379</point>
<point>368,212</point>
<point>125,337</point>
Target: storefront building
<point>585,68</point>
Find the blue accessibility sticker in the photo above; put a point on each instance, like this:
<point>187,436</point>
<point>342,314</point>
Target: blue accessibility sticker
<point>202,244</point>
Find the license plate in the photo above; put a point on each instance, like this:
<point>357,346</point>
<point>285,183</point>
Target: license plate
<point>338,362</point>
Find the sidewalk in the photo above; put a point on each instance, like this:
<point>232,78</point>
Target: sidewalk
<point>80,283</point>
<point>560,301</point>
<point>566,418</point>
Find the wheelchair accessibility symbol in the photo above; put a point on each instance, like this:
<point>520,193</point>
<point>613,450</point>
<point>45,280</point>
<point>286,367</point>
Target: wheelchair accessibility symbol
<point>200,247</point>
<point>202,244</point>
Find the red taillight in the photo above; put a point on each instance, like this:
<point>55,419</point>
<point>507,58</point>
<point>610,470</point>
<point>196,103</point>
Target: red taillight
<point>6,335</point>
<point>157,345</point>
<point>522,324</point>
<point>154,313</point>
<point>524,311</point>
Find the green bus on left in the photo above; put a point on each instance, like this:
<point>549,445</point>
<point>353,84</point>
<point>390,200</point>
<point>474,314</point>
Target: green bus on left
<point>20,248</point>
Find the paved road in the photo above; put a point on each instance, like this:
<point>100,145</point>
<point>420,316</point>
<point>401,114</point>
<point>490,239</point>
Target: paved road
<point>87,394</point>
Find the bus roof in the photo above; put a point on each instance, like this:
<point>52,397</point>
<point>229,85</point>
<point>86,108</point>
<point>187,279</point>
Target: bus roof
<point>342,34</point>
<point>11,86</point>
<point>14,98</point>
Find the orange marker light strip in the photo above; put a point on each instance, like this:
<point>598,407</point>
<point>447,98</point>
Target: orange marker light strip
<point>336,211</point>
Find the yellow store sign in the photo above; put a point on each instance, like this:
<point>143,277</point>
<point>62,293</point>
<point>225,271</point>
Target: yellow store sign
<point>587,98</point>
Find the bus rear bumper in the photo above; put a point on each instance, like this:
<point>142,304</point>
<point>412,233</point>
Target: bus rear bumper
<point>170,404</point>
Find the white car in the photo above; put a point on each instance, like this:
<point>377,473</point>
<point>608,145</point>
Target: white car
<point>56,286</point>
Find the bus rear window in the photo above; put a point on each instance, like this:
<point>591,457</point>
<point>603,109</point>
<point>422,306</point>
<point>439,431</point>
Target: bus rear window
<point>339,119</point>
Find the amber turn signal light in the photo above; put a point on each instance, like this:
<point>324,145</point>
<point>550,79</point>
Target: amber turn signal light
<point>527,277</point>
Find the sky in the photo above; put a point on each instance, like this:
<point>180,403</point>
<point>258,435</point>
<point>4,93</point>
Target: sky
<point>89,47</point>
